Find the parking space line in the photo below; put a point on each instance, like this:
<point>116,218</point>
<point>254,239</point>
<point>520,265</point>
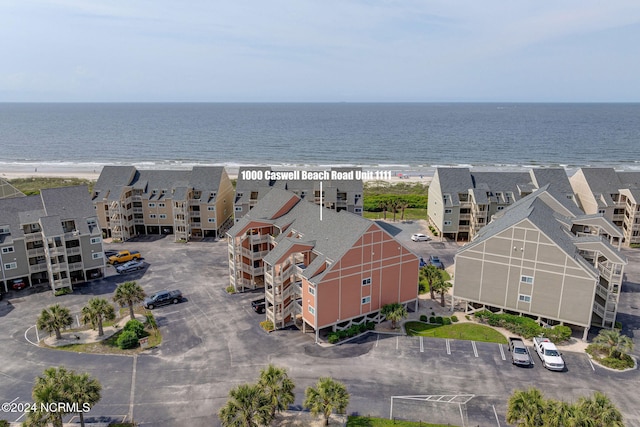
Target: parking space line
<point>448,346</point>
<point>502,352</point>
<point>397,341</point>
<point>377,339</point>
<point>496,414</point>
<point>421,345</point>
<point>590,363</point>
<point>475,350</point>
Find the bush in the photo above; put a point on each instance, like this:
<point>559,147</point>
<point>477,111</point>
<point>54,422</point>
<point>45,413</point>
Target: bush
<point>136,327</point>
<point>150,320</point>
<point>424,318</point>
<point>63,291</point>
<point>333,338</point>
<point>454,319</point>
<point>267,325</point>
<point>432,319</point>
<point>520,325</point>
<point>446,321</point>
<point>230,289</point>
<point>371,326</point>
<point>558,334</point>
<point>618,325</point>
<point>439,320</point>
<point>127,339</point>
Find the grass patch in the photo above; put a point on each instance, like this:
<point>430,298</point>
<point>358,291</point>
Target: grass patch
<point>459,331</point>
<point>33,185</point>
<point>361,421</point>
<point>601,355</point>
<point>410,214</point>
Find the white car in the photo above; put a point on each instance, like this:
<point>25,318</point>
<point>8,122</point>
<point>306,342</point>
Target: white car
<point>419,237</point>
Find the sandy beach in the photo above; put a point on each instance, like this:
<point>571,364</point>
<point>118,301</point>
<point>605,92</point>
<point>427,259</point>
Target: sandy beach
<point>92,174</point>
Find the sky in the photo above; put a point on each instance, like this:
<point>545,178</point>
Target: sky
<point>319,51</point>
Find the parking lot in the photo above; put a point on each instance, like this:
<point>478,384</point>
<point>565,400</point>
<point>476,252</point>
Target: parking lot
<point>212,342</point>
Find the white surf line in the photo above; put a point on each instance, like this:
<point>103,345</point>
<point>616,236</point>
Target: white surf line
<point>421,345</point>
<point>133,386</point>
<point>475,350</point>
<point>496,414</point>
<point>448,346</point>
<point>502,352</point>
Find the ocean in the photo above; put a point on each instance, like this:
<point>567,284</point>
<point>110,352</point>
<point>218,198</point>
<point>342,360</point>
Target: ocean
<point>408,137</point>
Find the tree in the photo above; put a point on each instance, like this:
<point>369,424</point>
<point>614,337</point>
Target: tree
<point>58,385</point>
<point>432,274</point>
<point>616,344</point>
<point>248,406</point>
<point>394,312</point>
<point>600,410</point>
<point>96,311</point>
<point>402,205</point>
<point>55,318</point>
<point>384,206</point>
<point>441,287</point>
<point>278,387</point>
<point>525,408</point>
<point>393,204</point>
<point>128,294</point>
<point>328,395</point>
<point>83,390</point>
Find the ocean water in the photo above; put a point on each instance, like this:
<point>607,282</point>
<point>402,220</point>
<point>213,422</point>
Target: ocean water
<point>406,136</point>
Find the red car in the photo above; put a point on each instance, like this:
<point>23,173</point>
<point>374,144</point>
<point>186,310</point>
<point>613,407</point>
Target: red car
<point>18,284</point>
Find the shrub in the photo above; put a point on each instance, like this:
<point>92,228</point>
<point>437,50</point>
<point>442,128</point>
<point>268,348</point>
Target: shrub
<point>432,319</point>
<point>424,318</point>
<point>63,291</point>
<point>4,423</point>
<point>150,320</point>
<point>454,319</point>
<point>371,326</point>
<point>618,325</point>
<point>127,339</point>
<point>446,321</point>
<point>558,334</point>
<point>230,289</point>
<point>439,320</point>
<point>267,325</point>
<point>333,338</point>
<point>136,327</point>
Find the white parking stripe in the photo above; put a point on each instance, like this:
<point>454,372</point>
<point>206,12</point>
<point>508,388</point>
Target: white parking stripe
<point>448,347</point>
<point>502,352</point>
<point>397,341</point>
<point>496,414</point>
<point>421,345</point>
<point>475,350</point>
<point>590,363</point>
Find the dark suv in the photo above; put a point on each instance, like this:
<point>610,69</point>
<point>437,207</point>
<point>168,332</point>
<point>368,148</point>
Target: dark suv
<point>258,305</point>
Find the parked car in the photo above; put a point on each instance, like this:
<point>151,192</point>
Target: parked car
<point>109,253</point>
<point>422,262</point>
<point>549,355</point>
<point>130,266</point>
<point>124,256</point>
<point>419,237</point>
<point>258,305</point>
<point>162,298</point>
<point>519,352</point>
<point>434,260</point>
<point>18,284</point>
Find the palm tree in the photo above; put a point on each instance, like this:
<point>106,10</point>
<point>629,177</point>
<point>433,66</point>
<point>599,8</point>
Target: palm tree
<point>600,410</point>
<point>432,274</point>
<point>394,312</point>
<point>85,390</point>
<point>49,389</point>
<point>402,205</point>
<point>441,287</point>
<point>129,293</point>
<point>561,413</point>
<point>277,385</point>
<point>96,311</point>
<point>248,406</point>
<point>384,206</point>
<point>393,204</point>
<point>616,344</point>
<point>326,396</point>
<point>525,408</point>
<point>54,318</point>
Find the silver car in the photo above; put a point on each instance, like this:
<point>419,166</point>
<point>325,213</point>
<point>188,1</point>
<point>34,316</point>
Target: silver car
<point>130,266</point>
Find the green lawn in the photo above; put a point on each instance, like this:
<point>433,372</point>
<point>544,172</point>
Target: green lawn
<point>33,185</point>
<point>459,331</point>
<point>410,214</point>
<point>360,421</point>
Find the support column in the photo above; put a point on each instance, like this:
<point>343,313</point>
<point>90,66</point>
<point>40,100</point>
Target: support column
<point>585,334</point>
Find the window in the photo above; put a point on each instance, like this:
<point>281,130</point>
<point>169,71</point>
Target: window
<point>526,279</point>
<point>238,208</point>
<point>447,211</point>
<point>312,310</point>
<point>161,205</point>
<point>601,211</point>
<point>96,255</point>
<point>524,298</point>
<point>447,222</point>
<point>500,208</point>
<point>152,205</point>
<point>366,281</point>
<point>10,265</point>
<point>163,216</point>
<point>152,216</point>
<point>7,249</point>
<point>312,290</point>
<point>357,210</point>
<point>95,240</point>
<point>211,208</point>
<point>4,229</point>
<point>366,300</point>
<point>211,220</point>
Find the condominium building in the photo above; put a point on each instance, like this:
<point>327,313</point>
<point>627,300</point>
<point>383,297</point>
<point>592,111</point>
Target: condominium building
<point>254,182</point>
<point>50,238</point>
<point>186,203</point>
<point>541,259</point>
<point>327,270</point>
<point>615,195</point>
<point>462,201</point>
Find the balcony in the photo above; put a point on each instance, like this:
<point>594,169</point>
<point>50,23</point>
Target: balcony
<point>32,237</point>
<point>35,252</point>
<point>37,268</point>
<point>76,266</point>
<point>74,251</point>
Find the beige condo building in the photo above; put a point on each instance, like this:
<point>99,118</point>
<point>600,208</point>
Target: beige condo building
<point>189,204</point>
<point>541,258</point>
